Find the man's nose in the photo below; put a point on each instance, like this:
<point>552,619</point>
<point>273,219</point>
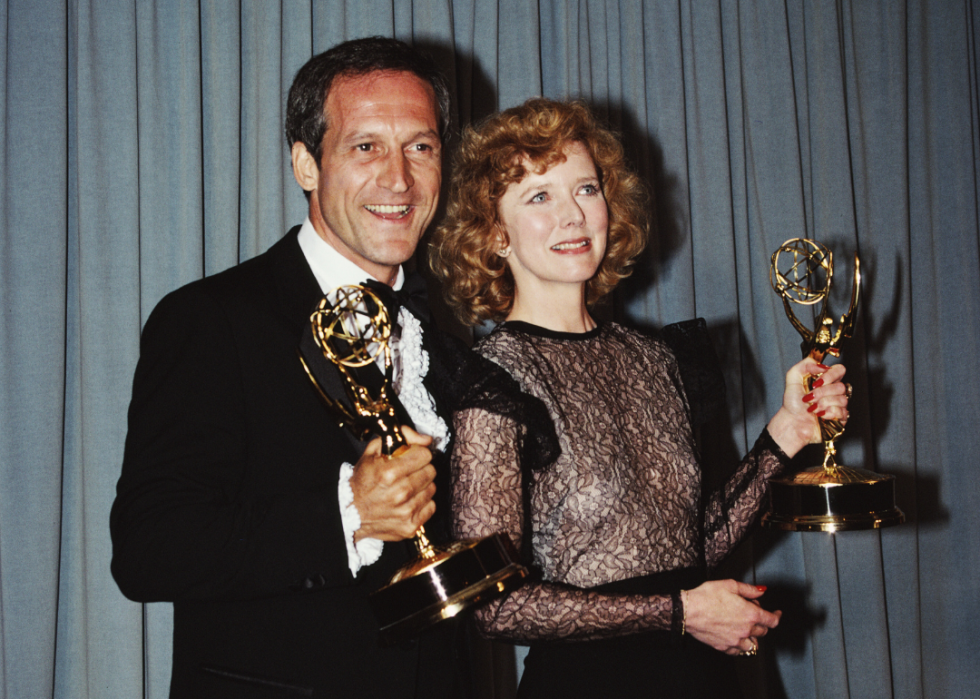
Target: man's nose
<point>396,172</point>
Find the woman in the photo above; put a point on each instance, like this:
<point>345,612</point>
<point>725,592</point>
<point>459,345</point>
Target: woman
<point>543,220</point>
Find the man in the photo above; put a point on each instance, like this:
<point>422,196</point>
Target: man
<point>241,499</point>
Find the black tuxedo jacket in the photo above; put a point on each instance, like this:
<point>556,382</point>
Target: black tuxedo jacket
<point>227,504</point>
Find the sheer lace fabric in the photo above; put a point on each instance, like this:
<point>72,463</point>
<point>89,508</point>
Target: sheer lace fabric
<point>622,500</point>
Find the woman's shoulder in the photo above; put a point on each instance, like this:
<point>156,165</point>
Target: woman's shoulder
<point>501,343</point>
<point>645,343</point>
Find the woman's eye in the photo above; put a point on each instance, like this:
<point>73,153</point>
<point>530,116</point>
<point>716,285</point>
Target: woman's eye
<point>590,189</point>
<point>538,198</point>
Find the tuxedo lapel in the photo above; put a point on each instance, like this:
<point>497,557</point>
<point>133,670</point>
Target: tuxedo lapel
<point>298,294</point>
<point>297,288</point>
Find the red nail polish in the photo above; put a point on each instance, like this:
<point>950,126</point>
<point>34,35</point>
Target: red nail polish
<point>808,397</point>
<point>821,413</point>
<point>761,588</point>
<point>818,383</point>
<point>812,408</point>
<point>824,367</point>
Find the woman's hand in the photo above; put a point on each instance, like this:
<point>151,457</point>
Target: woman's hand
<point>725,615</point>
<point>795,424</point>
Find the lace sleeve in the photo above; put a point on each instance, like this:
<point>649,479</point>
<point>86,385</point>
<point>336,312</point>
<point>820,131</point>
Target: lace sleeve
<point>732,509</point>
<point>487,497</point>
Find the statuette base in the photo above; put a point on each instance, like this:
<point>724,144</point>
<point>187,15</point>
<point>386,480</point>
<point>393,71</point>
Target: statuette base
<point>832,499</point>
<point>456,577</point>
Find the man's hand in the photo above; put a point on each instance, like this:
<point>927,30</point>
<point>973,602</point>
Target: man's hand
<point>393,494</point>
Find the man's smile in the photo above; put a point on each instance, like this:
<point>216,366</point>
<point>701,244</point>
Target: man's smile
<point>389,210</point>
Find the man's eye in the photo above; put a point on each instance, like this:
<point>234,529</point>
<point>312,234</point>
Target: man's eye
<point>423,147</point>
<point>364,147</point>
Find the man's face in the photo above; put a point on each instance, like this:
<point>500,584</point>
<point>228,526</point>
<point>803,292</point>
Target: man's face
<point>377,186</point>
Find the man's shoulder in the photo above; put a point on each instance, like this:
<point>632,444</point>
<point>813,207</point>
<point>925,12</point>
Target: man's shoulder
<point>250,288</point>
<point>239,283</point>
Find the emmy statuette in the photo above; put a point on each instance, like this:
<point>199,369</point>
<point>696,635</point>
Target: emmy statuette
<point>828,497</point>
<point>354,332</point>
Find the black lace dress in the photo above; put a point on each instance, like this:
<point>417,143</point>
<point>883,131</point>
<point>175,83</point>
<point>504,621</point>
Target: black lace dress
<point>615,527</point>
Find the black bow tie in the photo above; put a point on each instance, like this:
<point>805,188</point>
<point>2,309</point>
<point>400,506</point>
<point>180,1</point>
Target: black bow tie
<point>412,295</point>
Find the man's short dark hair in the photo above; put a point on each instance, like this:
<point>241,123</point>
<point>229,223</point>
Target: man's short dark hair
<point>306,119</point>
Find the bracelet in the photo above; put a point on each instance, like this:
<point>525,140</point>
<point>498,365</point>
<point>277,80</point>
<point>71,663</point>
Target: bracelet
<point>683,612</point>
<point>678,615</point>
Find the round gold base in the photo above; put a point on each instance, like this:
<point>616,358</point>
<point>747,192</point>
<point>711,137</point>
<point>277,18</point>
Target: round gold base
<point>428,590</point>
<point>832,499</point>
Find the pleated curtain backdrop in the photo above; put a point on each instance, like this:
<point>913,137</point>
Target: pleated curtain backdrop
<point>142,149</point>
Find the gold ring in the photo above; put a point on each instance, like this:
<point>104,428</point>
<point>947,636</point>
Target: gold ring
<point>754,650</point>
<point>848,390</point>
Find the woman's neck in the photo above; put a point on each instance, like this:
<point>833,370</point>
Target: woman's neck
<point>561,312</point>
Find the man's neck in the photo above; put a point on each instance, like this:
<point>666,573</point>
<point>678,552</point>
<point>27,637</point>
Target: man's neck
<point>331,268</point>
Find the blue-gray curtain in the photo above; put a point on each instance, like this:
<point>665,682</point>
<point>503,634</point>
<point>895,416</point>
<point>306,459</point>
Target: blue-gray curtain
<point>142,149</point>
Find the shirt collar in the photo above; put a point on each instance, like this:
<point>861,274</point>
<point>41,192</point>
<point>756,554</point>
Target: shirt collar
<point>330,268</point>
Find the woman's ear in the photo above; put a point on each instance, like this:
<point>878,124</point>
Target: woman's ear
<point>503,244</point>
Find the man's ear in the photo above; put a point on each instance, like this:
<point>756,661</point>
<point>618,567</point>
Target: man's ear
<point>305,168</point>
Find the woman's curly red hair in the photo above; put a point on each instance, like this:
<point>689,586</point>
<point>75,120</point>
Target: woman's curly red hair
<point>463,252</point>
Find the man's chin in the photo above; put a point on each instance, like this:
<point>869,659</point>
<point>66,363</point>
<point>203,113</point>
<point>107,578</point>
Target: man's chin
<point>387,260</point>
<point>395,252</point>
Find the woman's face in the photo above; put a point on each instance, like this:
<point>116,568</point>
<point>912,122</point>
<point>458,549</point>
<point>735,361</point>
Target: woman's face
<point>556,223</point>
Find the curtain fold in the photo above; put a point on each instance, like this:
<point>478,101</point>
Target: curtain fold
<point>34,363</point>
<point>143,149</point>
<point>943,241</point>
